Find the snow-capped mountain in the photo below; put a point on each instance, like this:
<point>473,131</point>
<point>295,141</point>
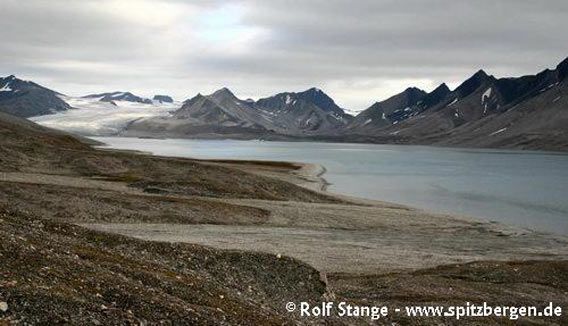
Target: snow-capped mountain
<point>25,98</point>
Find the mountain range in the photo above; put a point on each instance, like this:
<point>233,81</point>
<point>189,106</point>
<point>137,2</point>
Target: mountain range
<point>528,112</point>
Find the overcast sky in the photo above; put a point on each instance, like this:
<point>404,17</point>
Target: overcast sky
<point>357,51</point>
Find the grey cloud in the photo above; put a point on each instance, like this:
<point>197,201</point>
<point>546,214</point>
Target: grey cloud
<point>358,51</point>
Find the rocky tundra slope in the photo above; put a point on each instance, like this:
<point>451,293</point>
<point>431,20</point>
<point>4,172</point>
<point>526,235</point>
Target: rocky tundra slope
<point>56,267</point>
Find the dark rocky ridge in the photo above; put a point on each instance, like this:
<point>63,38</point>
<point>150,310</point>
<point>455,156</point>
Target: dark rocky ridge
<point>303,113</point>
<point>119,96</point>
<point>526,113</point>
<point>163,98</point>
<point>389,111</point>
<point>27,99</point>
<point>313,95</point>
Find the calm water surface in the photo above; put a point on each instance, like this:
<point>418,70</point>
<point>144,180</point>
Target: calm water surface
<point>527,189</point>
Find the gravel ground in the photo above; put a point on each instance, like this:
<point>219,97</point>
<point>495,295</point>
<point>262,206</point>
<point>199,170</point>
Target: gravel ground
<point>53,271</point>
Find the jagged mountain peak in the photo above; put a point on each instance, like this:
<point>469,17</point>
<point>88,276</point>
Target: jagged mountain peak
<point>413,94</point>
<point>562,69</point>
<point>409,95</point>
<point>310,97</point>
<point>223,92</point>
<point>413,89</point>
<point>194,99</point>
<point>563,63</point>
<point>17,81</point>
<point>474,82</point>
<point>436,96</point>
<point>313,90</point>
<point>319,98</point>
<point>442,88</point>
<point>392,110</point>
<point>480,73</point>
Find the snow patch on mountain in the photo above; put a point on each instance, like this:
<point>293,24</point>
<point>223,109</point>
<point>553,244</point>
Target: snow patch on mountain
<point>352,112</point>
<point>497,132</point>
<point>6,88</point>
<point>486,95</point>
<point>485,99</point>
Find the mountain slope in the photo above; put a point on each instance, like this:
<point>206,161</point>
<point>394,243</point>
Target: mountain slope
<point>313,95</point>
<point>387,112</point>
<point>224,109</point>
<point>473,99</point>
<point>528,112</point>
<point>27,99</point>
<point>222,113</point>
<point>26,144</point>
<point>538,122</point>
<point>308,112</point>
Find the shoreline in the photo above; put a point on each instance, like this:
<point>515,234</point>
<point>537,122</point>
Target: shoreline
<point>323,139</point>
<point>354,235</point>
<point>119,236</point>
<point>347,234</point>
<point>311,176</point>
<point>313,172</point>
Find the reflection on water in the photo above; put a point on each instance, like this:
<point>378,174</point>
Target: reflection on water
<point>527,189</point>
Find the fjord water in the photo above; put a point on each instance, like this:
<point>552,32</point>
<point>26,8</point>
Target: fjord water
<point>526,189</point>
